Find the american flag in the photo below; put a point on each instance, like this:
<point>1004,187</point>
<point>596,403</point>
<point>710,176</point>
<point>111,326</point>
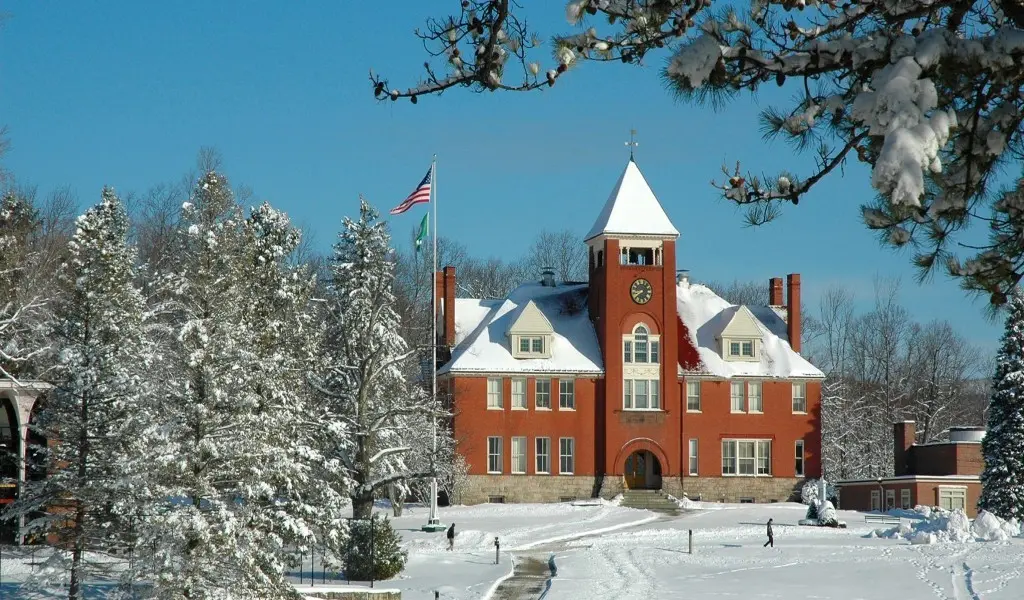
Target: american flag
<point>420,194</point>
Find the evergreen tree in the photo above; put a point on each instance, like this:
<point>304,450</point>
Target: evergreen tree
<point>362,381</point>
<point>1002,481</point>
<point>229,450</point>
<point>92,414</point>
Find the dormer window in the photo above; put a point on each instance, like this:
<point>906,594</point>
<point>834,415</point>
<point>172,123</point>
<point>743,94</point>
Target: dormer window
<point>531,333</point>
<point>531,344</point>
<point>641,347</point>
<point>741,337</point>
<point>741,349</point>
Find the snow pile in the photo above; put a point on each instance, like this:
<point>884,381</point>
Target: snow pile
<point>989,528</point>
<point>938,526</point>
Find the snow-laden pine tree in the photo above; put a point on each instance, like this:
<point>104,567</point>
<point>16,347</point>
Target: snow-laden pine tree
<point>92,415</point>
<point>366,393</point>
<point>234,483</point>
<point>1002,481</point>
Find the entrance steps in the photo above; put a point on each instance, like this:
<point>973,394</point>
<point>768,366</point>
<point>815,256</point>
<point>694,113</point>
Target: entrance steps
<point>655,500</point>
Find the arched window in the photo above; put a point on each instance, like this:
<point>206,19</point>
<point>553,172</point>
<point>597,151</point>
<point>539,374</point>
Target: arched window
<point>641,347</point>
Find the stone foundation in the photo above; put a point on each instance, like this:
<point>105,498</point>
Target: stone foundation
<point>527,488</point>
<point>735,489</point>
<point>554,488</point>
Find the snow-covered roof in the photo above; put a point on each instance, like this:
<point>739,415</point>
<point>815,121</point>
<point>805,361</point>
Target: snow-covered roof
<point>632,209</point>
<point>481,332</point>
<point>483,344</point>
<point>706,315</point>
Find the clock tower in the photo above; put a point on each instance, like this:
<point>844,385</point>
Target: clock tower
<point>632,303</point>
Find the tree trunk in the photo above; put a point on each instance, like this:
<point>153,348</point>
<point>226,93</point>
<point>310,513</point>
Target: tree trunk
<point>397,499</point>
<point>75,587</point>
<point>362,506</point>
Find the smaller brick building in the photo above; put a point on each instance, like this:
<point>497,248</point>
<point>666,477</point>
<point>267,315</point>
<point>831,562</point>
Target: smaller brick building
<point>943,474</point>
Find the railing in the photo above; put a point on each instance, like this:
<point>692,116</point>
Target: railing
<point>883,519</point>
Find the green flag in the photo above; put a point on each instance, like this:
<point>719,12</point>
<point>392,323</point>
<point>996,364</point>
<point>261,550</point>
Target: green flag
<point>424,227</point>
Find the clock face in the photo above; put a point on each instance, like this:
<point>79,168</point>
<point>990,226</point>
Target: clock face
<point>641,291</point>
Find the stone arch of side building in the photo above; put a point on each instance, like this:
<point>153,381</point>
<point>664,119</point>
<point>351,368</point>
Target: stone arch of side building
<point>18,402</point>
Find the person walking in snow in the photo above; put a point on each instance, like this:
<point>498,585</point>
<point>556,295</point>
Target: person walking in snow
<point>451,537</point>
<point>771,538</point>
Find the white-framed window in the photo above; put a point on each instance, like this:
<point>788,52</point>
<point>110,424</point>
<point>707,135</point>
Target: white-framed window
<point>542,452</point>
<point>641,394</point>
<point>693,396</point>
<point>494,454</point>
<point>740,348</point>
<point>952,497</point>
<point>905,498</point>
<point>518,455</point>
<point>494,399</point>
<point>799,397</point>
<point>799,458</point>
<point>641,346</point>
<point>543,394</point>
<point>876,500</point>
<point>531,344</point>
<point>566,455</point>
<point>746,457</point>
<point>764,457</point>
<point>693,456</point>
<point>754,403</point>
<point>890,499</point>
<point>566,394</point>
<point>519,393</point>
<point>737,401</point>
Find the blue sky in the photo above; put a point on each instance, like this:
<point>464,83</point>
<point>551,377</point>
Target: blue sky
<point>125,93</point>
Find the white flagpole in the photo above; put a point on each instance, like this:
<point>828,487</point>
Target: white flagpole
<point>433,523</point>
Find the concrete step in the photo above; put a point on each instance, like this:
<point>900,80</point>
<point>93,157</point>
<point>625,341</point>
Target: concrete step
<point>655,500</point>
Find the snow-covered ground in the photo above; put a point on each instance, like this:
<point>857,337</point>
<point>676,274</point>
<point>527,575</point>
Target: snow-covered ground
<point>605,551</point>
<point>649,559</point>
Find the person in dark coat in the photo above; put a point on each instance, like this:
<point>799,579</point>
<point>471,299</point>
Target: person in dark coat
<point>771,538</point>
<point>451,537</point>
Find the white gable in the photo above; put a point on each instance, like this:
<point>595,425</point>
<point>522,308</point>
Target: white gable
<point>632,209</point>
<point>531,320</point>
<point>742,325</point>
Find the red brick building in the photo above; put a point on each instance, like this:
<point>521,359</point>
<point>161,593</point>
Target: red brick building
<point>637,379</point>
<point>943,474</point>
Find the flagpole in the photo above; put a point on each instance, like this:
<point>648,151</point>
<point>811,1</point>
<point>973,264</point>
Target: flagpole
<point>433,523</point>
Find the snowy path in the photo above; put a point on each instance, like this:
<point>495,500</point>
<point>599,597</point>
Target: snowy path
<point>729,560</point>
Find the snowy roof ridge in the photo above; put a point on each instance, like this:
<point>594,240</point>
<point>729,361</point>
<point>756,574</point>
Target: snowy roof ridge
<point>632,209</point>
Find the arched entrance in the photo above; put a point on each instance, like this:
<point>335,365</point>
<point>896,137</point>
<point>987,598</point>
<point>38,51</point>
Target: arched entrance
<point>643,471</point>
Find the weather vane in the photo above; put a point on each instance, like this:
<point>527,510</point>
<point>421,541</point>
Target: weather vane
<point>632,143</point>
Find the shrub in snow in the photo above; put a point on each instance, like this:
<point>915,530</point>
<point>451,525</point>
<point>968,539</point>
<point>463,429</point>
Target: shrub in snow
<point>1002,481</point>
<point>827,515</point>
<point>373,557</point>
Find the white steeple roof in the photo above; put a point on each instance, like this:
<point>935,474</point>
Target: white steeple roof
<point>632,209</point>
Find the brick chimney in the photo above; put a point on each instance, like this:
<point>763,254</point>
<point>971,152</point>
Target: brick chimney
<point>775,291</point>
<point>445,282</point>
<point>793,310</point>
<point>903,434</point>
